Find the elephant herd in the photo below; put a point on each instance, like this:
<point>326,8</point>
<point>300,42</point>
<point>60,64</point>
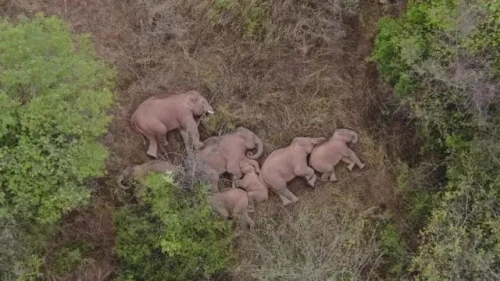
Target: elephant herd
<point>235,153</point>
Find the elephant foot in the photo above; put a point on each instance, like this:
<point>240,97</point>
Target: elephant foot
<point>288,203</point>
<point>333,178</point>
<point>362,166</point>
<point>285,200</point>
<point>350,167</point>
<point>152,155</point>
<point>312,181</point>
<point>324,177</point>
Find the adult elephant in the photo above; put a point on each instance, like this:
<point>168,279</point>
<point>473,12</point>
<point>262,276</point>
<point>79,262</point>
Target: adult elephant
<point>156,116</point>
<point>284,164</point>
<point>224,153</point>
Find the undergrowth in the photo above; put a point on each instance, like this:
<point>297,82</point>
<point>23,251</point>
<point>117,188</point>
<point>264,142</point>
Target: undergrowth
<point>442,58</point>
<point>171,234</point>
<point>54,96</point>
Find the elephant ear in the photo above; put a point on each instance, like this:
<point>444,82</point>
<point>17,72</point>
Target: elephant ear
<point>192,100</point>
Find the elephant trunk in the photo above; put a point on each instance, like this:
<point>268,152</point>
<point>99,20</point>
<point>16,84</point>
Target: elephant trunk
<point>260,149</point>
<point>354,138</point>
<point>119,181</point>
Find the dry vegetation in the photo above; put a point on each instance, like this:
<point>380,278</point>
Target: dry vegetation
<point>281,68</point>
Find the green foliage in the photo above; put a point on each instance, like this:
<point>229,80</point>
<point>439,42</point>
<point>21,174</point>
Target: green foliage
<point>442,57</point>
<point>170,235</point>
<point>54,96</point>
<point>394,250</point>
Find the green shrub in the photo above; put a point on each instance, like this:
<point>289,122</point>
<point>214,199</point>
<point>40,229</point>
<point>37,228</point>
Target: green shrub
<point>170,235</point>
<point>53,100</point>
<point>394,250</point>
<point>442,58</point>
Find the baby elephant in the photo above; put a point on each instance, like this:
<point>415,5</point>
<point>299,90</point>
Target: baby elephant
<point>138,172</point>
<point>232,202</point>
<point>326,156</point>
<point>257,191</point>
<point>284,164</point>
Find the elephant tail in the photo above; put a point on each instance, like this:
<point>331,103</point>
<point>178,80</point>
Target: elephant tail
<point>260,148</point>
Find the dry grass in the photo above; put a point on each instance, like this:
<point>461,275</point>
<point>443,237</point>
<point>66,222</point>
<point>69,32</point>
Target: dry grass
<point>280,68</point>
<point>311,243</point>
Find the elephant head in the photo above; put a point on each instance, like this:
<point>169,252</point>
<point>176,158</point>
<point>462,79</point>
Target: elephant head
<point>198,104</point>
<point>252,141</point>
<point>306,143</point>
<point>346,135</point>
<point>249,166</point>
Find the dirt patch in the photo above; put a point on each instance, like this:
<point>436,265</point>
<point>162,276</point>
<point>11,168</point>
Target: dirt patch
<point>280,68</point>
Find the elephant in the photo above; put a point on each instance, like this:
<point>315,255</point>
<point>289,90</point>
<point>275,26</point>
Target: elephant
<point>257,191</point>
<point>284,164</point>
<point>138,172</point>
<point>157,115</point>
<point>326,156</point>
<point>224,153</point>
<point>232,202</point>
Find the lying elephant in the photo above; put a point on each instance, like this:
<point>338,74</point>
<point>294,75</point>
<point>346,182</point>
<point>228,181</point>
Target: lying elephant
<point>156,116</point>
<point>326,156</point>
<point>232,202</point>
<point>257,191</point>
<point>284,164</point>
<point>139,172</point>
<point>225,153</point>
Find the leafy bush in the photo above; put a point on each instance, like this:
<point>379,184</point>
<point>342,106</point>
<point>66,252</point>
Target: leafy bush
<point>395,252</point>
<point>442,58</point>
<point>53,100</point>
<point>170,235</point>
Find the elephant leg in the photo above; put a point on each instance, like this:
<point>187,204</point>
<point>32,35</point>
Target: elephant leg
<point>251,204</point>
<point>350,164</point>
<point>219,207</point>
<point>214,179</point>
<point>325,176</point>
<point>241,211</point>
<point>185,138</point>
<point>193,134</point>
<point>233,167</point>
<point>353,157</point>
<point>307,173</point>
<point>162,140</point>
<point>287,197</point>
<point>158,133</point>
<point>153,147</point>
<point>333,176</point>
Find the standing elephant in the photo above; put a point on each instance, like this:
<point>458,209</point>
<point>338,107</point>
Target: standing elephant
<point>156,116</point>
<point>284,164</point>
<point>232,202</point>
<point>326,156</point>
<point>257,191</point>
<point>138,172</point>
<point>225,153</point>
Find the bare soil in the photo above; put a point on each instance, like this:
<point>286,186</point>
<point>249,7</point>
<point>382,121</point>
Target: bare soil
<point>305,74</point>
